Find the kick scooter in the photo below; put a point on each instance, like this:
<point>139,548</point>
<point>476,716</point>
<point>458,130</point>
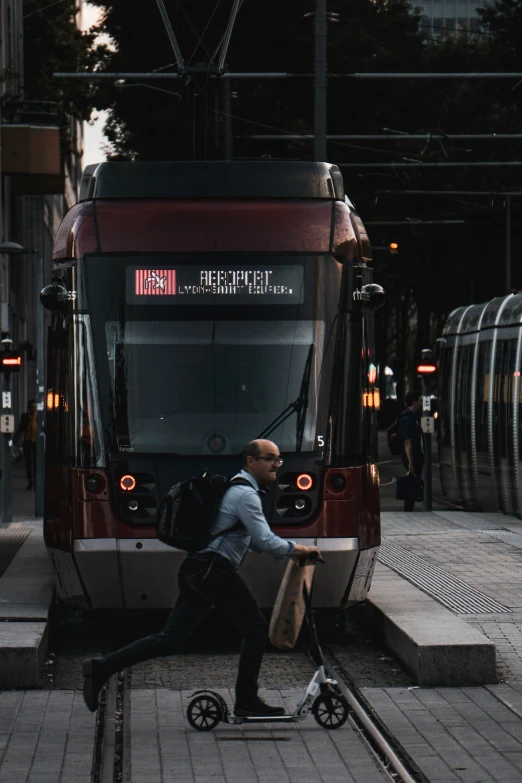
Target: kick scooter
<point>322,695</point>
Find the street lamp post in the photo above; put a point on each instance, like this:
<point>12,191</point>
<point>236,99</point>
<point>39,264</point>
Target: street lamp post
<point>6,490</point>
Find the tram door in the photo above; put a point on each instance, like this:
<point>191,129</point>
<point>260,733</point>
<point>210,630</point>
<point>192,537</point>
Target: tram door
<point>506,466</point>
<point>462,414</point>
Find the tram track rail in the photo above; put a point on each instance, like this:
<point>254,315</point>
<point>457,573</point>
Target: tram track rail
<point>395,763</point>
<point>111,755</point>
<point>112,732</point>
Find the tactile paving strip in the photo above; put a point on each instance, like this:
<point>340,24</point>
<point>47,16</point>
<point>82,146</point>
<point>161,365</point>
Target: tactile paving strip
<point>11,539</point>
<point>468,520</point>
<point>447,589</point>
<point>475,523</point>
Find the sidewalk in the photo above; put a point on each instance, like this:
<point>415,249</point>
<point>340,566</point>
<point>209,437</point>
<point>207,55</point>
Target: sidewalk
<point>26,590</point>
<point>473,735</point>
<point>467,566</point>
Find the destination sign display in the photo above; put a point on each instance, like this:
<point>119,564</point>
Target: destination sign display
<point>186,285</point>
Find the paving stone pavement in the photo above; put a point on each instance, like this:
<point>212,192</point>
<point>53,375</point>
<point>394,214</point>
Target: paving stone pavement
<point>454,735</point>
<point>45,737</point>
<point>478,558</point>
<point>165,749</point>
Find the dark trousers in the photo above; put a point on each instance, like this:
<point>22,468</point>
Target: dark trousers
<point>30,459</point>
<point>205,580</point>
<point>409,503</point>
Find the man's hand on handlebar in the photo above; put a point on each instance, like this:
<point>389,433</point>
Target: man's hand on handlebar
<point>312,553</point>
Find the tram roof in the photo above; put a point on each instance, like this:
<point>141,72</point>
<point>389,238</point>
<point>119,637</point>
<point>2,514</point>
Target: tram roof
<point>501,311</point>
<point>213,180</point>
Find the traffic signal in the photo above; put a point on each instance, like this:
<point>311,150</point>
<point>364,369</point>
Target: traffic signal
<point>10,361</point>
<point>393,247</point>
<point>427,365</point>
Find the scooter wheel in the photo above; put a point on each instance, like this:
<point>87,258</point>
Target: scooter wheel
<point>204,713</point>
<point>330,711</point>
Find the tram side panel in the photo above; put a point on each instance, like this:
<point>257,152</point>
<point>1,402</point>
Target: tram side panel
<point>504,457</point>
<point>485,481</point>
<point>463,418</point>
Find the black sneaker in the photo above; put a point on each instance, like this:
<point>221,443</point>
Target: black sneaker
<point>257,708</point>
<point>92,683</point>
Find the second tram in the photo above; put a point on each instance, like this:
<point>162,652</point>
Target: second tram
<point>480,405</point>
<point>195,307</point>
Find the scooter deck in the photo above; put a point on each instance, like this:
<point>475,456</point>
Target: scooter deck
<point>262,719</point>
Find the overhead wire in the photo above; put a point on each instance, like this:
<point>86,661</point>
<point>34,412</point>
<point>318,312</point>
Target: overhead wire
<point>192,28</point>
<point>204,31</point>
<point>40,10</point>
<point>330,141</point>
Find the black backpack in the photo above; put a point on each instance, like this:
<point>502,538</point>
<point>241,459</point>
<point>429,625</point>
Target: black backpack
<point>186,513</point>
<point>395,442</point>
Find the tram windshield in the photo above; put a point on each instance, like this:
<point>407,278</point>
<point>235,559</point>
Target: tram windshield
<point>188,386</point>
<point>207,379</point>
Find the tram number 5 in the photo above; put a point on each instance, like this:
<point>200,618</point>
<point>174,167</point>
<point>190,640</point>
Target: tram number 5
<point>320,440</point>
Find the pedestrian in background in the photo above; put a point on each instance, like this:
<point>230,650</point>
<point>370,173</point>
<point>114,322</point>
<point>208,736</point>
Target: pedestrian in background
<point>26,437</point>
<point>410,432</point>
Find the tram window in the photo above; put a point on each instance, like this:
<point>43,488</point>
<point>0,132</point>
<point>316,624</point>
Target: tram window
<point>462,411</point>
<point>58,432</point>
<point>503,398</point>
<point>72,430</point>
<point>179,382</point>
<point>482,396</point>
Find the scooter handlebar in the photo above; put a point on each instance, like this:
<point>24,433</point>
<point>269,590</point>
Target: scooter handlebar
<point>314,558</point>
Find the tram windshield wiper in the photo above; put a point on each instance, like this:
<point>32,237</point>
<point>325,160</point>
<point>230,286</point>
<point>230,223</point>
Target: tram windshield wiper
<point>298,406</point>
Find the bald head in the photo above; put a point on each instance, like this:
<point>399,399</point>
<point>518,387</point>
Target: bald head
<point>257,447</point>
<point>262,460</point>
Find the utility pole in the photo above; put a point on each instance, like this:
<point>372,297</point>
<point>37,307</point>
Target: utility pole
<point>40,396</point>
<point>320,75</point>
<point>426,370</point>
<point>226,95</point>
<point>508,244</point>
<point>199,112</point>
<point>7,439</point>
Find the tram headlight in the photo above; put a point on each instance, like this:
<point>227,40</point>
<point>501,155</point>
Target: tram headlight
<point>300,504</point>
<point>132,505</point>
<point>127,483</point>
<point>304,482</point>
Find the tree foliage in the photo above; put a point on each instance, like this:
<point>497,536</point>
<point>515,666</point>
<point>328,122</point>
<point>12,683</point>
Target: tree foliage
<point>53,42</point>
<point>439,265</point>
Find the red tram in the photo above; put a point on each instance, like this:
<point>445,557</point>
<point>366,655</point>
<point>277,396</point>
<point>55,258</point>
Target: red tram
<point>195,307</point>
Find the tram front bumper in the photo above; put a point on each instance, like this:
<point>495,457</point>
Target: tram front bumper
<point>140,574</point>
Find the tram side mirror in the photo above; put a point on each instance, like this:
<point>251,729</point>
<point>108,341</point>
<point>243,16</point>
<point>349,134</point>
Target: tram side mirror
<point>374,295</point>
<point>52,297</point>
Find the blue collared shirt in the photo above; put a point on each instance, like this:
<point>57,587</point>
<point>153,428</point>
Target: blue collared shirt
<point>244,504</point>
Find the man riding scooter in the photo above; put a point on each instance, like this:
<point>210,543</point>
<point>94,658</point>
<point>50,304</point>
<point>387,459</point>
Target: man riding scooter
<point>209,579</point>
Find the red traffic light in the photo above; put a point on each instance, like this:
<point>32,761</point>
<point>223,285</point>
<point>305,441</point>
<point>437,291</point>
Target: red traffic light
<point>11,361</point>
<point>426,369</point>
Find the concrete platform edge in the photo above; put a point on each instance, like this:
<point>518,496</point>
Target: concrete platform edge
<point>26,594</point>
<point>435,646</point>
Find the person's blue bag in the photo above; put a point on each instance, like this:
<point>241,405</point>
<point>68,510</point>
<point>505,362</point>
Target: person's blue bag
<point>409,487</point>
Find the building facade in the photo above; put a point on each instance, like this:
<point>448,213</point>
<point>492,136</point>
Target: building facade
<point>38,184</point>
<point>447,17</point>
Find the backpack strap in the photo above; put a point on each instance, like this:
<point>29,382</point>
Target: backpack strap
<point>236,482</point>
